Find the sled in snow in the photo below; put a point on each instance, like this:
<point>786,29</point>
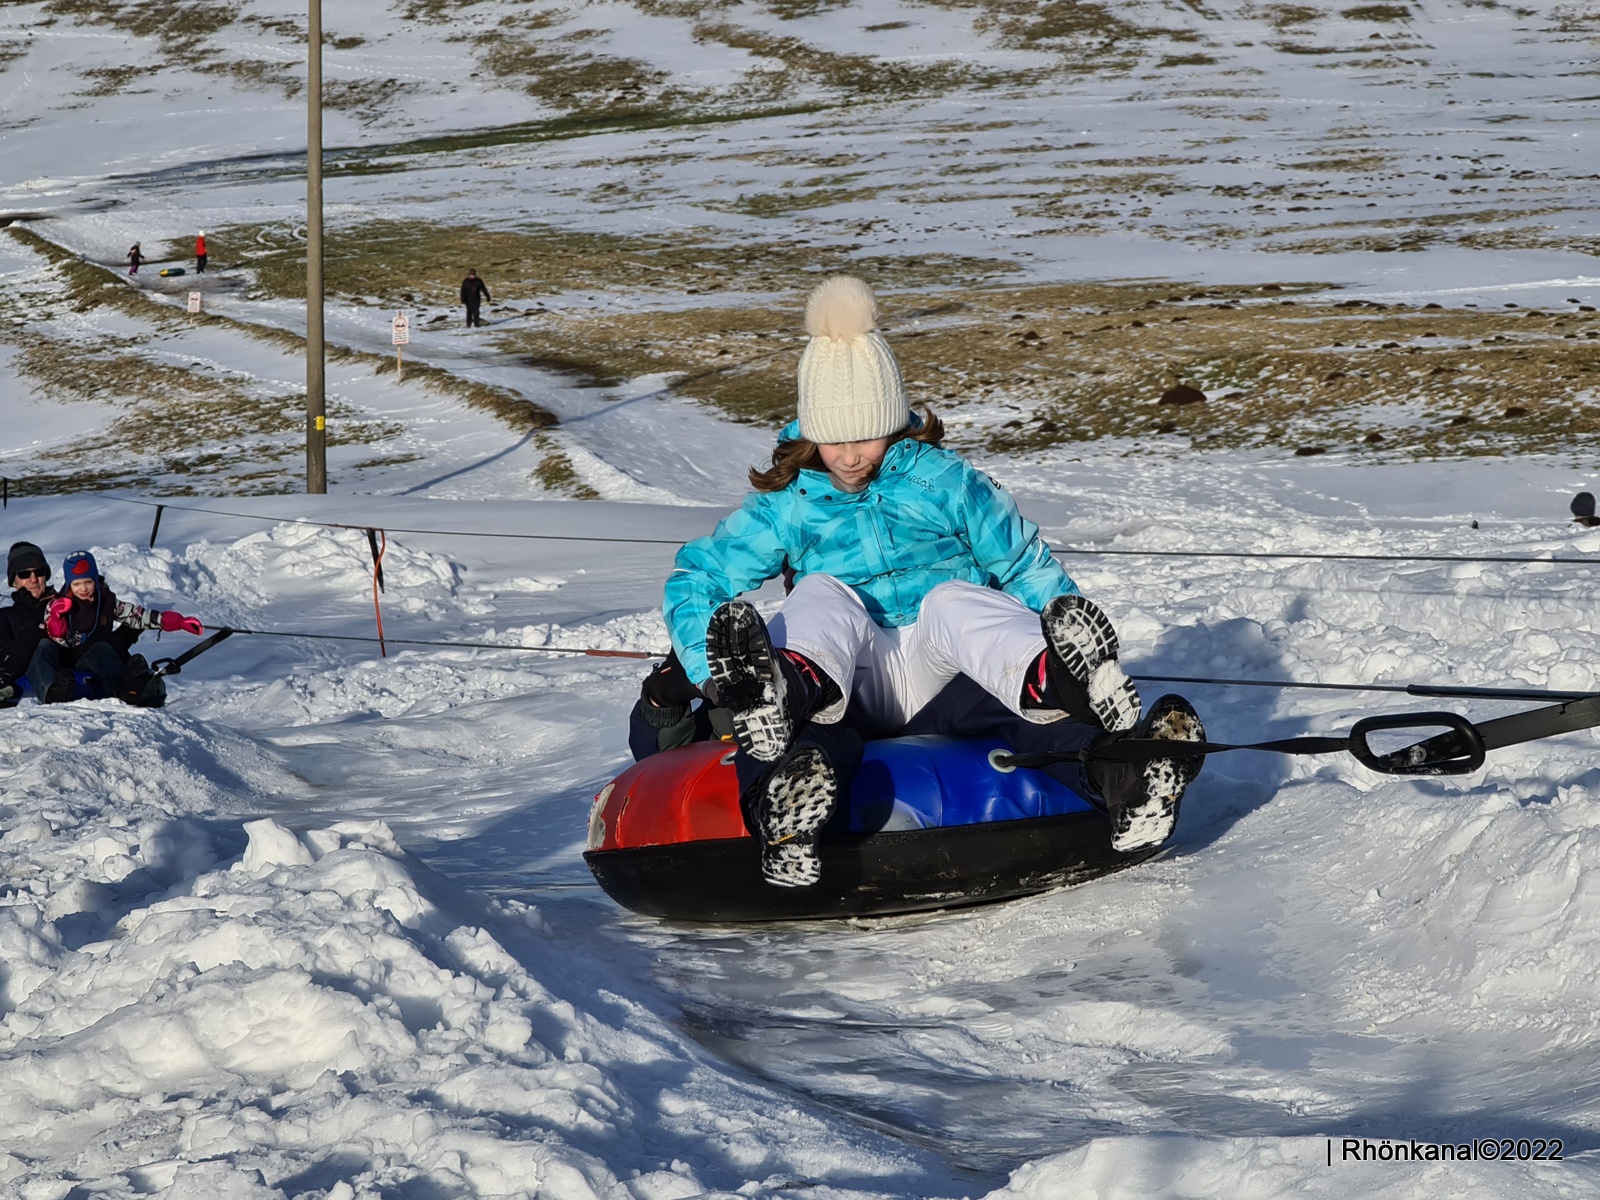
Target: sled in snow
<point>169,272</point>
<point>930,823</point>
<point>139,687</point>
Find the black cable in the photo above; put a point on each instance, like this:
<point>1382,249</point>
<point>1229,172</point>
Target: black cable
<point>1450,558</point>
<point>351,637</point>
<point>1080,550</point>
<point>454,533</point>
<point>1411,689</point>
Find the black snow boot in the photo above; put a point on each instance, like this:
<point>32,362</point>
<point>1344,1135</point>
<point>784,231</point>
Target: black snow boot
<point>769,692</point>
<point>1142,799</point>
<point>140,686</point>
<point>786,808</point>
<point>1081,664</point>
<point>63,690</point>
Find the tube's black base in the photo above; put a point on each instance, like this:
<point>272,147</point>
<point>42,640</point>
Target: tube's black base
<point>865,874</point>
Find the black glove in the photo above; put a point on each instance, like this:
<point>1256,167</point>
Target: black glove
<point>659,716</point>
<point>668,687</point>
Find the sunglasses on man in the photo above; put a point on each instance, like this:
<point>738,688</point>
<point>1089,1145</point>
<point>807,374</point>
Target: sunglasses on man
<point>32,573</point>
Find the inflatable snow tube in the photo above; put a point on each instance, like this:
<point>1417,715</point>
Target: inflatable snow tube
<point>84,685</point>
<point>930,823</point>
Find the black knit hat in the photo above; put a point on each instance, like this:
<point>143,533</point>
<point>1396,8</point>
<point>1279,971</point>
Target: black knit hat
<point>23,555</point>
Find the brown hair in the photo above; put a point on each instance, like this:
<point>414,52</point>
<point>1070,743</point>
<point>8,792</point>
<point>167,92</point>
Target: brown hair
<point>792,457</point>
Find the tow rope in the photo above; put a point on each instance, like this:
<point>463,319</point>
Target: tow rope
<point>173,666</point>
<point>1456,747</point>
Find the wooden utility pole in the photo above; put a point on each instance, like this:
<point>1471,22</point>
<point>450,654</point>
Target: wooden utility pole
<point>316,419</point>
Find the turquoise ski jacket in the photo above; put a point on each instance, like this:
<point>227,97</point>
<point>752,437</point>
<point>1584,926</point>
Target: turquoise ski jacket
<point>927,518</point>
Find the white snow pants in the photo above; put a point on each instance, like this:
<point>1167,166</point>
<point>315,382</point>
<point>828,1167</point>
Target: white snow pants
<point>961,628</point>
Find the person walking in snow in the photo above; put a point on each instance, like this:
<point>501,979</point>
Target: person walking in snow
<point>135,257</point>
<point>473,293</point>
<point>82,637</point>
<point>200,253</point>
<point>22,621</point>
<point>911,568</point>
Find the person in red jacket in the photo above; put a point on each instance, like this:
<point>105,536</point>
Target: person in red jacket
<point>200,253</point>
<point>83,638</point>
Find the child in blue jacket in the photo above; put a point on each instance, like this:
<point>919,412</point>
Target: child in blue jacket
<point>910,568</point>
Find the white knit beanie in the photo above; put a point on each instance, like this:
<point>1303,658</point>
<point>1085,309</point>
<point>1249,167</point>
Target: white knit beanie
<point>850,388</point>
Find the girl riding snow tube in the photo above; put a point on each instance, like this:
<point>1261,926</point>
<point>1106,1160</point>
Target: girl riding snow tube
<point>911,568</point>
<point>87,632</point>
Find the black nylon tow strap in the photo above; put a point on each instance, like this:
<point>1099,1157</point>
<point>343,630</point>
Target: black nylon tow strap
<point>172,666</point>
<point>1458,750</point>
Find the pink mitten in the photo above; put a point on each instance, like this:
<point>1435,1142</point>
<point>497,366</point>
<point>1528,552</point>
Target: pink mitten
<point>55,616</point>
<point>171,622</point>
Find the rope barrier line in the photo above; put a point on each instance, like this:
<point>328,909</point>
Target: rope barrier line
<point>1412,689</point>
<point>1330,557</point>
<point>1409,689</point>
<point>351,637</point>
<point>1302,555</point>
<point>453,533</point>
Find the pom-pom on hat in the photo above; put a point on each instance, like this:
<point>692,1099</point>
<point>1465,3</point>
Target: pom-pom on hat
<point>24,556</point>
<point>850,389</point>
<point>78,565</point>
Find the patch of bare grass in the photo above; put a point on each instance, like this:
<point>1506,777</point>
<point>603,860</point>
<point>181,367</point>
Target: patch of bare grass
<point>89,285</point>
<point>170,422</point>
<point>1377,12</point>
<point>567,77</point>
<point>181,27</point>
<point>555,473</point>
<point>369,99</point>
<point>855,75</point>
<point>111,81</point>
<point>1285,16</point>
<point>409,263</point>
<point>258,74</point>
<point>782,203</point>
<point>1016,370</point>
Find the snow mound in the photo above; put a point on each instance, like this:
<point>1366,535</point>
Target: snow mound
<point>324,1010</point>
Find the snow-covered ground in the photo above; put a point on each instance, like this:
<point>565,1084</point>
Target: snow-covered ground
<point>321,926</point>
<point>323,923</point>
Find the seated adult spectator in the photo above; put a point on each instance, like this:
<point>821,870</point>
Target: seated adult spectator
<point>22,621</point>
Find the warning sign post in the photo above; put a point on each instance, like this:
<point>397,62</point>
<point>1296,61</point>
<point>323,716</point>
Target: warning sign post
<point>401,336</point>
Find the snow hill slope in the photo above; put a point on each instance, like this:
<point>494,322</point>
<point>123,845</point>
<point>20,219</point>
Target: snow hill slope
<point>322,923</point>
